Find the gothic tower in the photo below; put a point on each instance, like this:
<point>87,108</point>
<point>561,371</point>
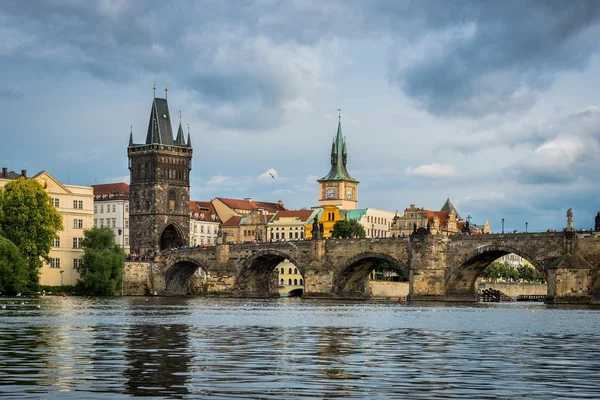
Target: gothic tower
<point>159,211</point>
<point>338,187</point>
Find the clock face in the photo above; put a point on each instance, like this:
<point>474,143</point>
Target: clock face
<point>330,193</point>
<point>349,193</point>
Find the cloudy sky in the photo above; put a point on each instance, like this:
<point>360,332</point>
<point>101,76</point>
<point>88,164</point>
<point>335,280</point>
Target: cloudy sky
<point>494,104</point>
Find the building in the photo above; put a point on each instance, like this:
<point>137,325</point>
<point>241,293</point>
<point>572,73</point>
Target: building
<point>159,185</point>
<point>288,225</point>
<point>227,208</point>
<point>291,281</point>
<point>247,228</point>
<point>111,210</point>
<point>338,188</point>
<point>328,216</point>
<point>204,223</point>
<point>447,221</point>
<point>75,204</point>
<point>377,223</point>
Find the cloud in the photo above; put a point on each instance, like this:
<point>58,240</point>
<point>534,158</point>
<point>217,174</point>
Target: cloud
<point>81,156</point>
<point>476,58</point>
<point>433,171</point>
<point>227,182</point>
<point>114,179</point>
<point>556,161</point>
<point>268,176</point>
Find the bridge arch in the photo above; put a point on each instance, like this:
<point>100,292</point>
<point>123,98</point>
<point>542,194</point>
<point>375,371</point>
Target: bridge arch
<point>258,276</point>
<point>461,279</point>
<point>352,274</point>
<point>179,275</point>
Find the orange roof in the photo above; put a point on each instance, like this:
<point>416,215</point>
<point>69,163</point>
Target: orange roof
<point>442,215</point>
<point>233,221</point>
<point>239,204</point>
<point>203,211</point>
<point>111,191</point>
<point>303,215</point>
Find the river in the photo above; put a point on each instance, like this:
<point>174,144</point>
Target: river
<point>90,348</point>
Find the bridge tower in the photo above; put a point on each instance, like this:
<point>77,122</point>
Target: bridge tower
<point>338,188</point>
<point>159,184</point>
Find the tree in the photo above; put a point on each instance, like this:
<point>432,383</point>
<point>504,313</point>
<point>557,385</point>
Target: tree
<point>101,272</point>
<point>345,229</point>
<point>389,271</point>
<point>30,222</point>
<point>13,274</point>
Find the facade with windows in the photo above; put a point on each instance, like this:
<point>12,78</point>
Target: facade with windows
<point>75,204</point>
<point>204,224</point>
<point>111,210</point>
<point>289,225</point>
<point>377,223</point>
<point>328,216</point>
<point>289,277</point>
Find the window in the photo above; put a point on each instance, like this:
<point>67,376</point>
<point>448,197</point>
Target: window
<point>127,223</point>
<point>101,222</point>
<point>101,209</point>
<point>291,235</point>
<point>289,281</point>
<point>55,202</point>
<point>295,270</point>
<point>56,242</point>
<point>55,263</point>
<point>114,222</point>
<point>95,222</point>
<point>295,281</point>
<point>77,223</point>
<point>77,243</point>
<point>281,282</point>
<point>201,228</point>
<point>272,236</point>
<point>282,271</point>
<point>126,240</point>
<point>301,282</point>
<point>114,208</point>
<point>95,209</point>
<point>296,235</point>
<point>77,262</point>
<point>290,271</point>
<point>78,204</point>
<point>126,207</point>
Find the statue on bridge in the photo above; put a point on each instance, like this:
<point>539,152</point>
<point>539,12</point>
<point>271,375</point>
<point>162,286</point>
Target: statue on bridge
<point>570,220</point>
<point>317,230</point>
<point>467,228</point>
<point>221,238</point>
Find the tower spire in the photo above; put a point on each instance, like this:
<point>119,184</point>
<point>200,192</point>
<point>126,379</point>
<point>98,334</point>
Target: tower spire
<point>131,135</point>
<point>189,143</point>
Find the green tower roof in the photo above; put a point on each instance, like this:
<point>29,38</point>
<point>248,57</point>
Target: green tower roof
<point>338,171</point>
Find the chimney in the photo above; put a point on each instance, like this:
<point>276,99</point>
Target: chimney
<point>247,198</point>
<point>4,172</point>
<point>280,203</point>
<point>24,173</point>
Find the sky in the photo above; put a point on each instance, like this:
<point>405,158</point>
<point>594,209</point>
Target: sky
<point>493,104</point>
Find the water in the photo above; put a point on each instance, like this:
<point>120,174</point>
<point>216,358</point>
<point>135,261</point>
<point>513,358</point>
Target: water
<point>78,348</point>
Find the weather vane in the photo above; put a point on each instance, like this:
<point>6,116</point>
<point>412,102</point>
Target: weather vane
<point>339,114</point>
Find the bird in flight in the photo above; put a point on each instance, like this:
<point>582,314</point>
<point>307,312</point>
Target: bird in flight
<point>272,176</point>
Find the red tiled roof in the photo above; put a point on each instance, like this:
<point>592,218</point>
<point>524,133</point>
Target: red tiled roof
<point>203,211</point>
<point>238,204</point>
<point>233,221</point>
<point>303,215</point>
<point>111,191</point>
<point>442,215</point>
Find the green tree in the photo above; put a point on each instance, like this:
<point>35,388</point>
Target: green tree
<point>30,222</point>
<point>101,272</point>
<point>345,229</point>
<point>386,271</point>
<point>13,274</point>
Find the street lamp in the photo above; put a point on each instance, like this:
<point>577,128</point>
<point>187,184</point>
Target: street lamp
<point>61,278</point>
<point>526,227</point>
<point>502,225</point>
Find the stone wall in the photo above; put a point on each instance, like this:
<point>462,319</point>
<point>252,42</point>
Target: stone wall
<point>388,289</point>
<point>514,289</point>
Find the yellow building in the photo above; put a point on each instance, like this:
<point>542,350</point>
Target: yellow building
<point>290,224</point>
<point>76,205</point>
<point>328,216</point>
<point>290,279</point>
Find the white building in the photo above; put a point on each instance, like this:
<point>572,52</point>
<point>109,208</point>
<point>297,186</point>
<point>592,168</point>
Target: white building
<point>111,210</point>
<point>75,204</point>
<point>377,223</point>
<point>204,223</point>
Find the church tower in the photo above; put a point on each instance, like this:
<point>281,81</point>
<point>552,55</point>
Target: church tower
<point>159,211</point>
<point>338,187</point>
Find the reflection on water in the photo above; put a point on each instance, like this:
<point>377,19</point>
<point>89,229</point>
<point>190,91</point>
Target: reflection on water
<point>283,348</point>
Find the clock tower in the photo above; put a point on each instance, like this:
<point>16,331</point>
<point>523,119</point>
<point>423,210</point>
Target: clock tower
<point>338,188</point>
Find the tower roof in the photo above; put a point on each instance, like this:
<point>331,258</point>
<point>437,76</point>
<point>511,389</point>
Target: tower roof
<point>180,141</point>
<point>448,206</point>
<point>338,171</point>
<point>159,126</point>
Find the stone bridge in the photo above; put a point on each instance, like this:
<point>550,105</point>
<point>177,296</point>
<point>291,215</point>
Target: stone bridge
<point>439,267</point>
